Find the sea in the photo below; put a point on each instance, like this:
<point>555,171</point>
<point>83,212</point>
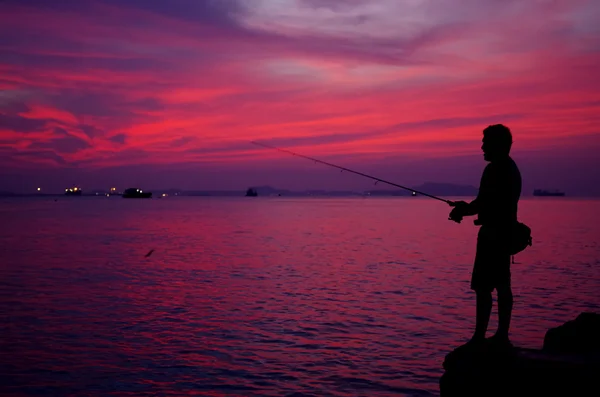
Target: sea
<point>265,296</point>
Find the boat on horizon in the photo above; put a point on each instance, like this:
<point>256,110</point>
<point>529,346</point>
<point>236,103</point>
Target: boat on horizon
<point>251,192</point>
<point>73,191</point>
<point>134,192</point>
<point>548,193</point>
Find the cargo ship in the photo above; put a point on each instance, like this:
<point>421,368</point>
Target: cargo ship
<point>548,193</point>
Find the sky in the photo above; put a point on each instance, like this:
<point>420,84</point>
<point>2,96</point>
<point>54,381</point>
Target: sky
<point>161,94</point>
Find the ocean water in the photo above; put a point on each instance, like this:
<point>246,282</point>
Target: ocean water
<point>265,296</point>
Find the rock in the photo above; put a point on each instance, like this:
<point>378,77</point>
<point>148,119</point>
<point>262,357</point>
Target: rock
<point>580,336</point>
<point>564,367</point>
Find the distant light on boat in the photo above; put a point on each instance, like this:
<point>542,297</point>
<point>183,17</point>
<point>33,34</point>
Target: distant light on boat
<point>74,191</point>
<point>39,189</point>
<point>133,192</point>
<point>164,194</point>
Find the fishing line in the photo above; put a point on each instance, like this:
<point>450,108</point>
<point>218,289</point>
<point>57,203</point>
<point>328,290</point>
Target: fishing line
<point>352,171</point>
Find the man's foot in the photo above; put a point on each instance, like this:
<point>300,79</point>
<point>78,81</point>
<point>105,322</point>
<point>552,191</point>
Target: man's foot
<point>473,346</point>
<point>475,340</point>
<point>474,343</point>
<point>500,341</point>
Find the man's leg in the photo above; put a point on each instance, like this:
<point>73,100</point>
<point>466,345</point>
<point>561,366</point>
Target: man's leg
<point>484,310</point>
<point>505,306</point>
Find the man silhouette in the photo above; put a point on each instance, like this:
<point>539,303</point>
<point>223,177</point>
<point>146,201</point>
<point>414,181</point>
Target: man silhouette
<point>496,207</point>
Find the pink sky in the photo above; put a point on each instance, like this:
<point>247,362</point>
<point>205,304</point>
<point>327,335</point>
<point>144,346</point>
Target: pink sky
<point>169,94</point>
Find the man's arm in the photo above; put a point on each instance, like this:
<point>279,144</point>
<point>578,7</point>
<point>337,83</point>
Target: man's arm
<point>472,208</point>
<point>462,209</point>
<point>466,209</point>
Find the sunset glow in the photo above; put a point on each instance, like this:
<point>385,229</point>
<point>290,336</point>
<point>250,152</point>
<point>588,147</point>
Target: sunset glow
<point>114,84</point>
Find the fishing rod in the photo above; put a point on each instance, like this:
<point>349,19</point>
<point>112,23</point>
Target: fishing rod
<point>354,172</point>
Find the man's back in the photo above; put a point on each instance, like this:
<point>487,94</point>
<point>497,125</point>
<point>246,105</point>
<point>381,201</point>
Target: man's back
<point>499,193</point>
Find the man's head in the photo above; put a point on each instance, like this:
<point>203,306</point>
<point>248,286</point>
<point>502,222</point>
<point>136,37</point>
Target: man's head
<point>497,141</point>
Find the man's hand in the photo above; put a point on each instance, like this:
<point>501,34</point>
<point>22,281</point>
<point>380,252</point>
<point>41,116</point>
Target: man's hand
<point>456,215</point>
<point>458,212</point>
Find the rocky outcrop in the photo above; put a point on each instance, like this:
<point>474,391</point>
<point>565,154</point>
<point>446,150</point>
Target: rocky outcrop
<point>580,336</point>
<point>567,365</point>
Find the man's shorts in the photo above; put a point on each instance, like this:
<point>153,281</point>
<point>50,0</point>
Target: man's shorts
<point>492,259</point>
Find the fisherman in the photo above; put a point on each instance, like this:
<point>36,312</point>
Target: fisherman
<point>496,207</point>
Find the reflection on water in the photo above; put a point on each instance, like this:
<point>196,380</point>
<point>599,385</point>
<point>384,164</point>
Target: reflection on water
<point>264,297</point>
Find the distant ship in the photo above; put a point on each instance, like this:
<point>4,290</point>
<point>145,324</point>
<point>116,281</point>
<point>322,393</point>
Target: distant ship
<point>251,192</point>
<point>73,191</point>
<point>136,193</point>
<point>553,193</point>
